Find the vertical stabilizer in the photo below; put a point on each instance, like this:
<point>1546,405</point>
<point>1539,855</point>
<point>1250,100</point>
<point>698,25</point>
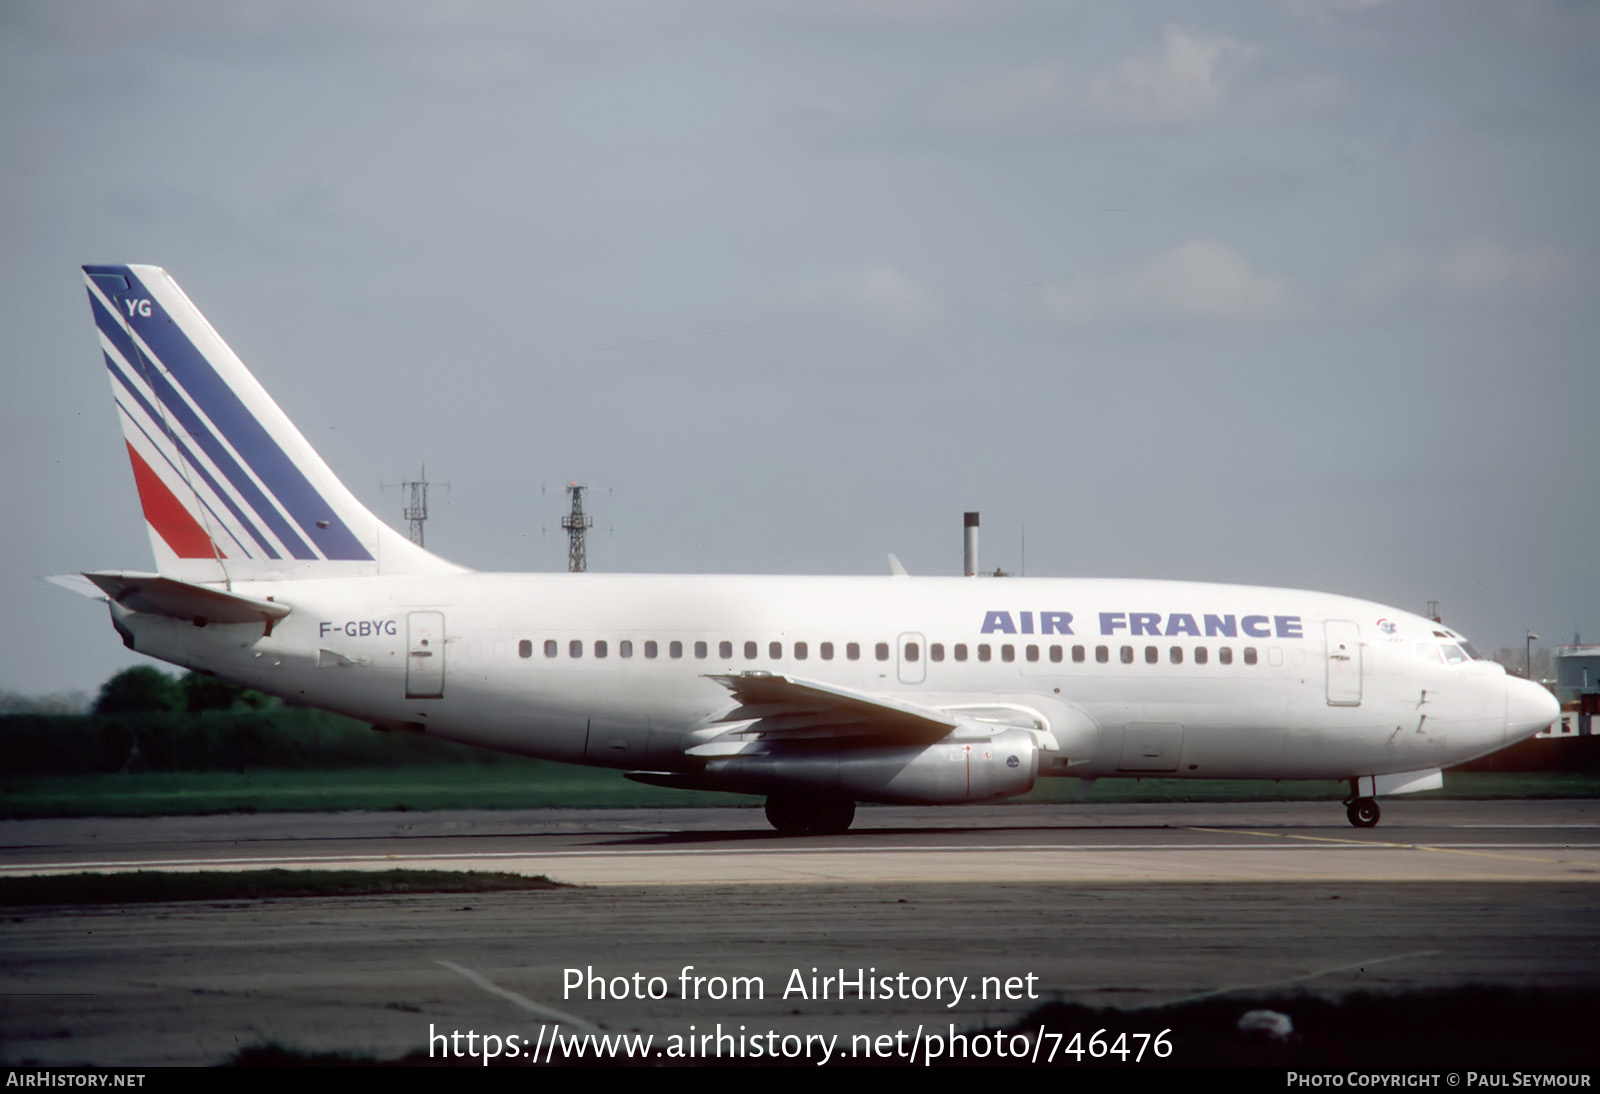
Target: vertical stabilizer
<point>231,490</point>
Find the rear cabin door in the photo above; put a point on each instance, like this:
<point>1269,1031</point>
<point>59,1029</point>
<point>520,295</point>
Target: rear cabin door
<point>1344,662</point>
<point>425,655</point>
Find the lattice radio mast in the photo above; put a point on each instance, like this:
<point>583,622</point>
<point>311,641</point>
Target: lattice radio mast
<point>416,509</point>
<point>576,525</point>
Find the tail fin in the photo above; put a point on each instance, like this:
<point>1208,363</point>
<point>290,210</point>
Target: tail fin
<point>231,490</point>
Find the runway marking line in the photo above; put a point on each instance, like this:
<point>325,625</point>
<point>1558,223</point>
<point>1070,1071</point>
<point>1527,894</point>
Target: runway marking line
<point>1324,843</point>
<point>520,1000</point>
<point>1361,965</point>
<point>1383,843</point>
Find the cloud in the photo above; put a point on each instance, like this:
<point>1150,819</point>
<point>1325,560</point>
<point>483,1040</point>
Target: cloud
<point>1469,267</point>
<point>878,290</point>
<point>1200,281</point>
<point>1186,76</point>
<point>1183,78</point>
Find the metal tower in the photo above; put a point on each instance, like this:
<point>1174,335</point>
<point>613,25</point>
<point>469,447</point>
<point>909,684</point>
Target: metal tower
<point>416,510</point>
<point>576,524</point>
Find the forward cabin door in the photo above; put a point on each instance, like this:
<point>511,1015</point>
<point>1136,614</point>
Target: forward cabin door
<point>1344,662</point>
<point>424,655</point>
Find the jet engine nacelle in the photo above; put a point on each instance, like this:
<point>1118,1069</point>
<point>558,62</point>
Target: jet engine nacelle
<point>946,773</point>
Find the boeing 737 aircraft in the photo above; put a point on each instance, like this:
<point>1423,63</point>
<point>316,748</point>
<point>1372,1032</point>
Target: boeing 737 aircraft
<point>817,692</point>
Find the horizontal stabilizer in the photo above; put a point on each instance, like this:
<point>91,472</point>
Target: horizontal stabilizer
<point>77,583</point>
<point>199,604</point>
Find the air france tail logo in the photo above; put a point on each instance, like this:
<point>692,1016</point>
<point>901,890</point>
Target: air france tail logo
<point>140,308</point>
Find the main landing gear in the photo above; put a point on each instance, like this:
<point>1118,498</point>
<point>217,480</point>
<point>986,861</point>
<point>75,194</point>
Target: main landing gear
<point>805,815</point>
<point>1363,812</point>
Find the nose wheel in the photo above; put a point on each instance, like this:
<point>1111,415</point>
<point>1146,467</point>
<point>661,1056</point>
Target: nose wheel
<point>1363,812</point>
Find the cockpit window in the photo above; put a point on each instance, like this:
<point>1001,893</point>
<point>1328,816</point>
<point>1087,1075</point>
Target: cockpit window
<point>1454,654</point>
<point>1472,651</point>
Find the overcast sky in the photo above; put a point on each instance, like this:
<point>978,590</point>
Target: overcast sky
<point>1295,295</point>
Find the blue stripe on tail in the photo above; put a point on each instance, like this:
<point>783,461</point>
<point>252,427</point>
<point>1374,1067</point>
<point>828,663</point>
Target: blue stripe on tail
<point>189,423</point>
<point>188,458</point>
<point>248,437</point>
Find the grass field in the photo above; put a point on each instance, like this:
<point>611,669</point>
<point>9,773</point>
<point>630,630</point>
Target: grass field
<point>147,886</point>
<point>535,785</point>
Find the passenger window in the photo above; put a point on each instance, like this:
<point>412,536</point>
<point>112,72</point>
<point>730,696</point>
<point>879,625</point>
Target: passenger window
<point>852,650</point>
<point>1225,655</point>
<point>775,650</point>
<point>575,648</point>
<point>675,649</point>
<point>1249,655</point>
<point>650,649</point>
<point>551,648</point>
<point>1199,655</point>
<point>1102,654</point>
<point>625,648</point>
<point>700,649</point>
<point>1008,652</point>
<point>1176,653</point>
<point>936,652</point>
<point>1031,653</point>
<point>983,651</point>
<point>1274,656</point>
<point>961,651</point>
<point>1127,655</point>
<point>725,650</point>
<point>1077,655</point>
<point>1056,654</point>
<point>800,651</point>
<point>600,647</point>
<point>827,651</point>
<point>525,648</point>
<point>912,652</point>
<point>882,650</point>
<point>1151,655</point>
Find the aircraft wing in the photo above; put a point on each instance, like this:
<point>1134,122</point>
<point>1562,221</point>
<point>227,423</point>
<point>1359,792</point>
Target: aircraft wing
<point>199,604</point>
<point>777,707</point>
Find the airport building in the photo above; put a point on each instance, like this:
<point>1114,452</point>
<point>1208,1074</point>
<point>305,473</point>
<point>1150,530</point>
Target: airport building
<point>1578,688</point>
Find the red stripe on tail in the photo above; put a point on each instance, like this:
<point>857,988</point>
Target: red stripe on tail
<point>167,515</point>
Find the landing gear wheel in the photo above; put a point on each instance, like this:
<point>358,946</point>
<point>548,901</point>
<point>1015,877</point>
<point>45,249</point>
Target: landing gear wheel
<point>804,815</point>
<point>1363,812</point>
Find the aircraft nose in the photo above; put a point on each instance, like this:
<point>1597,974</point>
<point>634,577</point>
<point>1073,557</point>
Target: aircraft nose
<point>1530,708</point>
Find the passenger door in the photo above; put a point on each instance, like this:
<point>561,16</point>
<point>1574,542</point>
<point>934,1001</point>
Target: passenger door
<point>1344,662</point>
<point>425,655</point>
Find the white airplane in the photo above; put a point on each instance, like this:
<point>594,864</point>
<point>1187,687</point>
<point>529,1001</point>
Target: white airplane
<point>817,692</point>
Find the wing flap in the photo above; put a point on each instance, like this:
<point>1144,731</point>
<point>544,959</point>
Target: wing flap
<point>791,708</point>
